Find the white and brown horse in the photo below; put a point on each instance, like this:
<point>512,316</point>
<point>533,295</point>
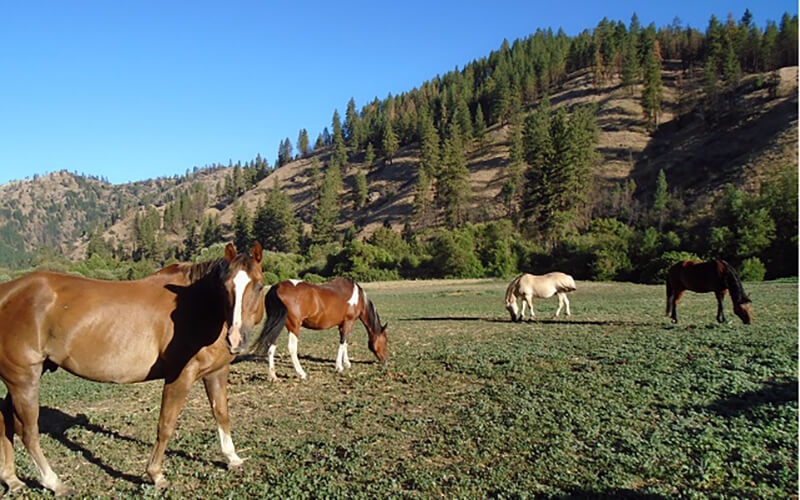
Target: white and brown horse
<point>528,286</point>
<point>297,304</point>
<point>179,324</point>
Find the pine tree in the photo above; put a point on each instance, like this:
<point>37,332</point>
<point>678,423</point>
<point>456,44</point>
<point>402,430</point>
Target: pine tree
<point>652,91</point>
<point>453,189</point>
<point>389,142</point>
<point>242,227</point>
<point>360,189</point>
<point>302,142</point>
<point>339,157</point>
<point>274,224</point>
<point>369,156</point>
<point>354,131</point>
<point>323,222</point>
<point>479,128</point>
<point>660,199</point>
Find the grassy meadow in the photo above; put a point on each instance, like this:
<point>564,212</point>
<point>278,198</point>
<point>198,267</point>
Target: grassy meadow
<point>614,401</point>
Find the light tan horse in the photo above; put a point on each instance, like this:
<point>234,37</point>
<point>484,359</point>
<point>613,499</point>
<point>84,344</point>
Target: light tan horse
<point>527,286</point>
<point>178,325</point>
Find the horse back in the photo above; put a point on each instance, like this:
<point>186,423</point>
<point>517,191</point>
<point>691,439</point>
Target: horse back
<point>697,276</point>
<point>101,330</point>
<point>318,306</point>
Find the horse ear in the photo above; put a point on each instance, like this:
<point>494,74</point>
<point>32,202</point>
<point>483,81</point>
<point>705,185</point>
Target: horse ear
<point>383,328</point>
<point>230,252</point>
<point>257,252</point>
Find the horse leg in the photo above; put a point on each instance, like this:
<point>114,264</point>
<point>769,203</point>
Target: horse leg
<point>172,399</point>
<point>342,360</point>
<point>676,296</point>
<point>560,304</point>
<point>24,393</point>
<point>720,311</point>
<point>529,299</point>
<point>293,337</point>
<point>216,385</point>
<point>8,472</point>
<point>521,316</point>
<point>271,355</point>
<point>566,304</point>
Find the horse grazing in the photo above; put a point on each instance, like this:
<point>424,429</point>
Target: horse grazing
<point>527,286</point>
<point>714,276</point>
<point>340,302</point>
<point>178,325</point>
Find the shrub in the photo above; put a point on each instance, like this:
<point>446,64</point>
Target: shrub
<point>752,269</point>
<point>453,255</point>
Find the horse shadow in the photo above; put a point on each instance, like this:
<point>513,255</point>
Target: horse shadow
<point>55,423</point>
<point>546,321</point>
<point>745,403</point>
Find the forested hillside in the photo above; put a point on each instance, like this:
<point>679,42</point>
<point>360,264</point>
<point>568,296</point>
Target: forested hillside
<point>608,155</point>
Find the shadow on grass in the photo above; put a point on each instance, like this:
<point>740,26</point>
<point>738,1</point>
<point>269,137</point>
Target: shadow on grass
<point>256,358</point>
<point>745,403</point>
<point>605,495</point>
<point>55,423</point>
<point>545,321</point>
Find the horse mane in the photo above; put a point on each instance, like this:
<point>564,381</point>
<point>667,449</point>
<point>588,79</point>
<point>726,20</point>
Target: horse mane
<point>373,320</point>
<point>734,284</point>
<point>195,271</point>
<point>510,289</point>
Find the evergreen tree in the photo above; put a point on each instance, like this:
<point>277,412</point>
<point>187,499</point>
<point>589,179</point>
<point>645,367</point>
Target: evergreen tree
<point>192,241</point>
<point>369,156</point>
<point>453,189</point>
<point>339,157</point>
<point>354,131</point>
<point>360,189</point>
<point>389,142</point>
<point>652,91</point>
<point>660,200</point>
<point>302,142</point>
<point>274,224</point>
<point>242,227</point>
<point>479,128</point>
<point>323,222</point>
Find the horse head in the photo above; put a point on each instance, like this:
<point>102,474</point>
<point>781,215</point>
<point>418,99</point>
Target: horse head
<point>744,311</point>
<point>377,343</point>
<point>243,282</point>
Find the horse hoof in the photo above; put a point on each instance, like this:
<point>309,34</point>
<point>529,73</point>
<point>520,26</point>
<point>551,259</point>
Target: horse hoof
<point>160,483</point>
<point>235,463</point>
<point>14,485</point>
<point>63,491</point>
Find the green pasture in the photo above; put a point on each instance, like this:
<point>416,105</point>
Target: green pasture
<point>614,401</point>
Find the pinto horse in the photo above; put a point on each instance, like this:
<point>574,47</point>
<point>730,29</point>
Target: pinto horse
<point>714,276</point>
<point>179,324</point>
<point>529,286</point>
<point>340,302</point>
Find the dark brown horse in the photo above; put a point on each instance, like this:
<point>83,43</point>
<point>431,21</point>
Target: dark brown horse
<point>715,276</point>
<point>178,325</point>
<point>339,303</point>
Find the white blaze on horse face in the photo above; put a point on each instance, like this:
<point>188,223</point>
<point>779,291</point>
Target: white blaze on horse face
<point>239,284</point>
<point>354,297</point>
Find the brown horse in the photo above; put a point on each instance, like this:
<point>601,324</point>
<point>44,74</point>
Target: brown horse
<point>339,303</point>
<point>178,325</point>
<point>715,276</point>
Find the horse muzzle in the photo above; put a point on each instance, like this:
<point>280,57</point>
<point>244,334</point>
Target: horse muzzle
<point>236,339</point>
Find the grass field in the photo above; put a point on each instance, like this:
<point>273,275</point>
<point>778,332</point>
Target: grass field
<point>614,401</point>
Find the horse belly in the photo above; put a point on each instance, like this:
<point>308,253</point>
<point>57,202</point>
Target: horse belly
<point>121,347</point>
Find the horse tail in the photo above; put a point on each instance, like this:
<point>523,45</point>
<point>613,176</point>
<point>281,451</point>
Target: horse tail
<point>669,295</point>
<point>733,284</point>
<point>566,284</point>
<point>276,318</point>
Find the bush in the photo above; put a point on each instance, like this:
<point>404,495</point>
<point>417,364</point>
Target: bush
<point>752,269</point>
<point>453,255</point>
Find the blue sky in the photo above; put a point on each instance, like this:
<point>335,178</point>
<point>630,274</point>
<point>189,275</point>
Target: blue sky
<point>136,90</point>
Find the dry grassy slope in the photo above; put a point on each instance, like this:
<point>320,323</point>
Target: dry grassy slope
<point>697,158</point>
<point>626,150</point>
